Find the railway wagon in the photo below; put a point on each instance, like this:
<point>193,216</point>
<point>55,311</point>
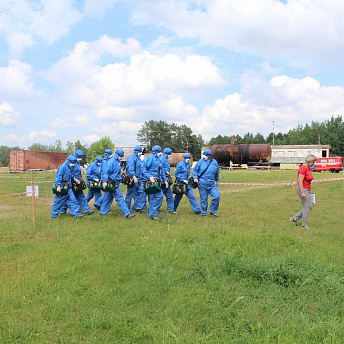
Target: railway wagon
<point>23,160</point>
<point>295,154</point>
<point>240,153</point>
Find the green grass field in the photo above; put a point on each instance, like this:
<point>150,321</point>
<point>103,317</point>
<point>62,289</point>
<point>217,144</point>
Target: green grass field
<point>249,276</point>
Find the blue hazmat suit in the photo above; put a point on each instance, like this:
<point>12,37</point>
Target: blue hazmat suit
<point>93,173</point>
<point>133,169</point>
<point>165,165</point>
<point>64,173</point>
<point>103,167</point>
<point>113,171</point>
<point>183,173</point>
<point>151,167</point>
<point>76,174</point>
<point>206,183</point>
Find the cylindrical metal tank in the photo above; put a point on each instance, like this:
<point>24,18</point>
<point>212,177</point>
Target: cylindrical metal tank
<point>241,153</point>
<point>175,158</point>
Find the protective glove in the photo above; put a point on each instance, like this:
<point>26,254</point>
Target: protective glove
<point>96,180</point>
<point>104,185</point>
<point>135,180</point>
<point>58,188</point>
<point>77,181</point>
<point>152,179</point>
<point>196,180</point>
<point>167,185</point>
<point>185,181</point>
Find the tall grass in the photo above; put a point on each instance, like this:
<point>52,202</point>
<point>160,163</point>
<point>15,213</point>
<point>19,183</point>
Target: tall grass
<point>249,276</point>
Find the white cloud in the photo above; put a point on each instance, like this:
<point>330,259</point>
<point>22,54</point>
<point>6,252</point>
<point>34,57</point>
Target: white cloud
<point>89,139</point>
<point>8,116</point>
<point>23,23</point>
<point>41,135</point>
<point>82,119</point>
<point>149,82</point>
<point>266,27</point>
<point>59,122</point>
<point>285,100</point>
<point>15,80</point>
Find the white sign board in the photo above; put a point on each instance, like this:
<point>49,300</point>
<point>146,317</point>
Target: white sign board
<point>29,191</point>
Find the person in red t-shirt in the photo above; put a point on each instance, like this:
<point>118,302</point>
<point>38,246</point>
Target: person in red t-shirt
<point>303,189</point>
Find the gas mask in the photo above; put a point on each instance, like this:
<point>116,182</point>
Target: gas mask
<point>187,161</point>
<point>79,159</point>
<point>120,158</point>
<point>159,154</point>
<point>71,165</point>
<point>139,154</point>
<point>169,157</point>
<point>99,163</point>
<point>205,157</point>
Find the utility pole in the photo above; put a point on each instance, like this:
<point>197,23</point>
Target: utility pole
<point>273,133</point>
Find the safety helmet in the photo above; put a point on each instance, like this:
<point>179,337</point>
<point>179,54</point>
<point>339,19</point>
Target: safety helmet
<point>138,148</point>
<point>156,148</point>
<point>120,152</point>
<point>72,159</point>
<point>187,156</point>
<point>208,152</point>
<point>168,151</point>
<point>108,151</point>
<point>99,158</point>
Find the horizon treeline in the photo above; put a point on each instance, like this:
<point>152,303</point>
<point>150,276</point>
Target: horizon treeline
<point>180,138</point>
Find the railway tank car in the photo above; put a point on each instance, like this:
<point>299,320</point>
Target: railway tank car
<point>241,153</point>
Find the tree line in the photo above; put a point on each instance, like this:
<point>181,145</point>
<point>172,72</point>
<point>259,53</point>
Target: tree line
<point>328,132</point>
<point>180,138</point>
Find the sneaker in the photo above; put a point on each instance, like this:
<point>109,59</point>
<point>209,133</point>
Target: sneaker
<point>153,218</point>
<point>292,219</point>
<point>130,216</point>
<point>306,227</point>
<point>140,210</point>
<point>78,216</point>
<point>96,208</point>
<point>173,212</point>
<point>89,212</point>
<point>197,212</point>
<point>214,214</point>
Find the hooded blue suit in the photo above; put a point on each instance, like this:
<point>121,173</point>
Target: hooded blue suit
<point>133,169</point>
<point>183,173</point>
<point>151,167</point>
<point>113,171</point>
<point>206,182</point>
<point>167,169</point>
<point>64,173</point>
<point>76,174</point>
<point>93,172</point>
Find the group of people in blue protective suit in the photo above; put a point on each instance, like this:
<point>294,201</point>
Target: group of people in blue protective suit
<point>70,172</point>
<point>154,167</point>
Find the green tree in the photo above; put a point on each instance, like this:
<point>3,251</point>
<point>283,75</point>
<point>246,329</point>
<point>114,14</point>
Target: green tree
<point>98,148</point>
<point>56,147</point>
<point>177,137</point>
<point>156,133</point>
<point>5,155</point>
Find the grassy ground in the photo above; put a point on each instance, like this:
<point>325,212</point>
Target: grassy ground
<point>249,276</point>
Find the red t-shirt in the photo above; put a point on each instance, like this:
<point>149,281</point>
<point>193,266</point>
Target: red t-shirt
<point>308,176</point>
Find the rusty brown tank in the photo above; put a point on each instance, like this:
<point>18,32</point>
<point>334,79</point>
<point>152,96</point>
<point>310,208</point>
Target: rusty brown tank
<point>175,158</point>
<point>22,160</point>
<point>241,153</point>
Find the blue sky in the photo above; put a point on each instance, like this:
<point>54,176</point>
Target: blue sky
<point>74,70</point>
